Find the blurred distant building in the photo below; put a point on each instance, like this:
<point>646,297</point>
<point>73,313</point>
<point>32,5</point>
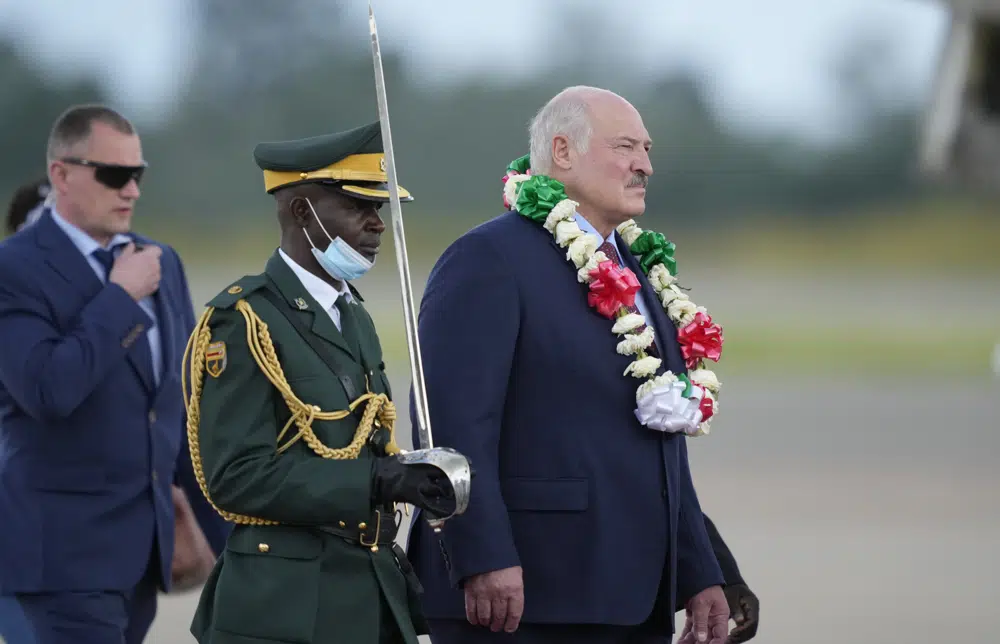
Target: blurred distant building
<point>961,131</point>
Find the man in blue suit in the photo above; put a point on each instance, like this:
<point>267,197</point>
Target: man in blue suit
<point>93,449</point>
<point>583,525</point>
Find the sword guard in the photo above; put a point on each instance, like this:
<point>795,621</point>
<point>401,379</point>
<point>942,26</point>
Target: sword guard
<point>453,465</point>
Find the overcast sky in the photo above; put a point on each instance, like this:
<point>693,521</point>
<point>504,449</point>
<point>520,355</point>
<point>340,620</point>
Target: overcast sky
<point>767,60</point>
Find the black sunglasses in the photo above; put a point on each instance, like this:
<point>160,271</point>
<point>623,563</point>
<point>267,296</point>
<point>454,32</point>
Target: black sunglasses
<point>113,176</point>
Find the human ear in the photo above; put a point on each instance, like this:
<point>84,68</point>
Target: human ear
<point>562,152</point>
<point>301,212</point>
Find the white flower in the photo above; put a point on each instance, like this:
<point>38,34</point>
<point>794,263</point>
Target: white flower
<point>706,379</point>
<point>702,429</point>
<point>643,367</point>
<point>583,275</point>
<point>629,231</point>
<point>562,211</point>
<point>660,278</point>
<point>510,189</point>
<point>566,231</point>
<point>682,311</point>
<point>662,380</point>
<point>632,342</point>
<point>671,293</point>
<point>582,248</point>
<point>628,322</point>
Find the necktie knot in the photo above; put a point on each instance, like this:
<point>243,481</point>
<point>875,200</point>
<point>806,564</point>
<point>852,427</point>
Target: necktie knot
<point>106,258</point>
<point>612,253</point>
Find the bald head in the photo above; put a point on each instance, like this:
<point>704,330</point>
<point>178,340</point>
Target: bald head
<point>594,142</point>
<point>570,114</point>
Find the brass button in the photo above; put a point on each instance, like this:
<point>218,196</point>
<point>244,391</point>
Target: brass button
<point>263,547</point>
<point>343,525</point>
<point>152,417</point>
<point>233,290</point>
<point>303,175</point>
<point>362,525</point>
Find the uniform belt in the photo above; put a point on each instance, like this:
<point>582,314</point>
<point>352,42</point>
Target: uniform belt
<point>381,530</point>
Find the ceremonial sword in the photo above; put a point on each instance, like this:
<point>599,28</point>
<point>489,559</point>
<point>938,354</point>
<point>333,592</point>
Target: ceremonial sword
<point>450,462</point>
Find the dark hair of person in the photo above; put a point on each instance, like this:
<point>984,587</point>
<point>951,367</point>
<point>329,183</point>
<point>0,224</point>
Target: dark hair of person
<point>25,199</point>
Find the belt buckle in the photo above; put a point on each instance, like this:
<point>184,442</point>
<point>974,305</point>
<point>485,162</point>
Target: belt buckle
<point>378,530</point>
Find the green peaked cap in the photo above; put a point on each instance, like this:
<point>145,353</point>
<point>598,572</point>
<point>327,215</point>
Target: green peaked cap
<point>353,161</point>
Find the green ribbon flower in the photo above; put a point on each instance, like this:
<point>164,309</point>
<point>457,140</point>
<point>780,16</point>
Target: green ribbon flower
<point>652,249</point>
<point>688,390</point>
<point>537,196</point>
<point>521,165</point>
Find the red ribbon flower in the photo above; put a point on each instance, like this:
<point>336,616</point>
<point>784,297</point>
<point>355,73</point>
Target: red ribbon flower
<point>612,289</point>
<point>706,408</point>
<point>700,338</point>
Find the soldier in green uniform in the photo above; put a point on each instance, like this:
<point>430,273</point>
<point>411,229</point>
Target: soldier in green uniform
<point>290,420</point>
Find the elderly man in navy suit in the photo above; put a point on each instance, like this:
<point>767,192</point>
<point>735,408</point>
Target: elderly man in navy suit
<point>583,525</point>
<point>93,449</point>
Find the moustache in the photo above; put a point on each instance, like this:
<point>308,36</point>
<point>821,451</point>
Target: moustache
<point>638,180</point>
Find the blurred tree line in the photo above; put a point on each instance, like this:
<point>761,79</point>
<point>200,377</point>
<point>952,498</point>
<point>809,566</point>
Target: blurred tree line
<point>282,72</point>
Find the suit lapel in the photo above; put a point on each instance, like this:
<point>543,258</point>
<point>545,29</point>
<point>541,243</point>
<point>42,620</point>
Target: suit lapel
<point>666,332</point>
<point>295,294</point>
<point>66,259</point>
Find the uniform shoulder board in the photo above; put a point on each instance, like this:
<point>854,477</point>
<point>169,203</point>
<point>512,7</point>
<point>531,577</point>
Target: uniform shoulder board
<point>237,291</point>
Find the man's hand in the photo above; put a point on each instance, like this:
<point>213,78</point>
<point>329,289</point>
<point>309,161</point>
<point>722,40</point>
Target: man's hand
<point>744,607</point>
<point>137,271</point>
<point>193,557</point>
<point>495,599</point>
<point>707,618</point>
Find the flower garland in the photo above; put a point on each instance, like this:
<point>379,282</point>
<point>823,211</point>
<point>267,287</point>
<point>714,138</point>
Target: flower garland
<point>667,402</point>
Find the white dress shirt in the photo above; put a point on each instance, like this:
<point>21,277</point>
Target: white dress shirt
<point>322,291</point>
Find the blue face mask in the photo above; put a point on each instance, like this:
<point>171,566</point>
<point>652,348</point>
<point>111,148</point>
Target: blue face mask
<point>339,260</point>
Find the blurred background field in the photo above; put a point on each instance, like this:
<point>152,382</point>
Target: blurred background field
<point>853,468</point>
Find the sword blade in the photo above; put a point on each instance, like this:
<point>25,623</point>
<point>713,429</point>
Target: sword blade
<point>399,241</point>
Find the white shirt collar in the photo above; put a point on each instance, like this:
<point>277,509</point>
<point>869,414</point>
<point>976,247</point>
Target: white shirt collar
<point>322,291</point>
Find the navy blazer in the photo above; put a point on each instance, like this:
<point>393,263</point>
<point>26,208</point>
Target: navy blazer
<point>89,445</point>
<point>524,379</point>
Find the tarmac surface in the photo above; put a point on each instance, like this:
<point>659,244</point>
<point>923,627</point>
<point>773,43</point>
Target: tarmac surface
<point>858,511</point>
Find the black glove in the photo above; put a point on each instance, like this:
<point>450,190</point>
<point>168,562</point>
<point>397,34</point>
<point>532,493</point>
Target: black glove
<point>744,607</point>
<point>424,486</point>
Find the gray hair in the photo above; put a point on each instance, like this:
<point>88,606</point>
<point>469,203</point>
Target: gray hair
<point>565,114</point>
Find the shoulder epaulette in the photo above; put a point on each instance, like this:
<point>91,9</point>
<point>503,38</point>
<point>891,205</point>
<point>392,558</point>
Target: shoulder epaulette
<point>237,291</point>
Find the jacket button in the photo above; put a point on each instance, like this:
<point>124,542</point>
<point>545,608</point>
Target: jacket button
<point>152,417</point>
<point>343,525</point>
<point>263,547</point>
<point>362,525</point>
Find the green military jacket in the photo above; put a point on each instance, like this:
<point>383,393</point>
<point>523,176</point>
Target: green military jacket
<point>292,582</point>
